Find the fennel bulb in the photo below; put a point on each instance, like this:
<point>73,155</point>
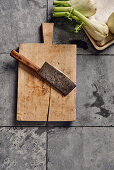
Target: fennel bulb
<point>110,23</point>
<point>96,30</point>
<point>86,7</point>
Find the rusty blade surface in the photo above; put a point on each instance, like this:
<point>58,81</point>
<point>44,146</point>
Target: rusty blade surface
<point>56,78</point>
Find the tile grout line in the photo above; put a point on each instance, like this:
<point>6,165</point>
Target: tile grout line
<point>47,11</point>
<point>5,53</point>
<point>97,54</point>
<point>46,148</point>
<point>62,126</point>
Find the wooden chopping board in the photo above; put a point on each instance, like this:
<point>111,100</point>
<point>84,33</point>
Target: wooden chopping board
<point>37,100</point>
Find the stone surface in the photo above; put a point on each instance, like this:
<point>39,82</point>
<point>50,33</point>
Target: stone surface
<point>95,85</point>
<point>68,148</point>
<point>95,91</point>
<point>8,86</point>
<point>63,34</point>
<point>8,93</point>
<point>81,148</point>
<point>22,148</point>
<point>20,22</point>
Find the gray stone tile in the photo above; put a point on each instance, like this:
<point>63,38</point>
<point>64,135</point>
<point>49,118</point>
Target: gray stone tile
<point>8,93</point>
<point>81,148</point>
<point>22,148</point>
<point>20,22</point>
<point>95,91</point>
<point>63,34</point>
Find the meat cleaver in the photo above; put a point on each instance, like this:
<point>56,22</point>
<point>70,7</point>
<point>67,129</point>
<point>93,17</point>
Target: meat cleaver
<point>49,73</point>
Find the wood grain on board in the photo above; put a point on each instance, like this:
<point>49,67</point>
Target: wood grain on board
<point>35,97</point>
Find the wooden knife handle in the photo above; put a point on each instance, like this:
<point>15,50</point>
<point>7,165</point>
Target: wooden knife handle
<point>24,60</point>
